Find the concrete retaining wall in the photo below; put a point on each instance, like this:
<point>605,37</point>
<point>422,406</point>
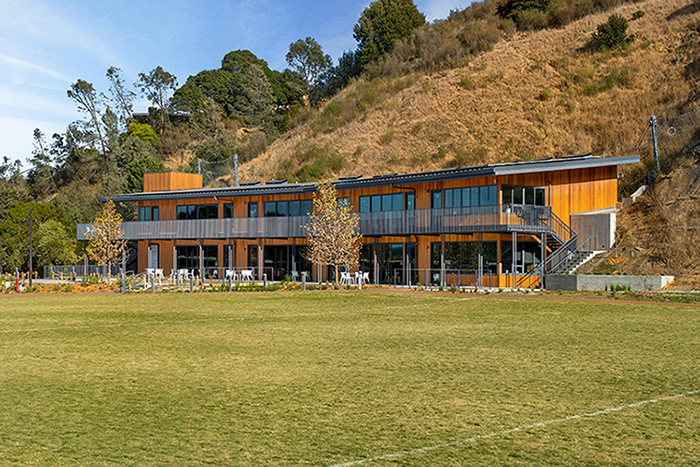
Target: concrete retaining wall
<point>573,282</point>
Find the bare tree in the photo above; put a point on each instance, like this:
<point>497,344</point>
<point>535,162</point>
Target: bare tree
<point>333,231</point>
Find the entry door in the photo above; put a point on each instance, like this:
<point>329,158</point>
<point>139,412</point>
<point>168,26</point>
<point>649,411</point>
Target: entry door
<point>153,256</point>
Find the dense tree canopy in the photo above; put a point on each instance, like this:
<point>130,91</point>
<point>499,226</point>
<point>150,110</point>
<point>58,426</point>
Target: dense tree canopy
<point>382,23</point>
<point>307,58</point>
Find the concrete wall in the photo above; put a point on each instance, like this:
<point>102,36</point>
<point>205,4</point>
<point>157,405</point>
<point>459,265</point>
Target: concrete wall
<point>573,282</point>
<point>601,223</point>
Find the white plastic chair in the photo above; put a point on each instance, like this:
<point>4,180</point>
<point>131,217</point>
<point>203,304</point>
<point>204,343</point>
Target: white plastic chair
<point>159,275</point>
<point>247,275</point>
<point>346,278</point>
<point>231,275</point>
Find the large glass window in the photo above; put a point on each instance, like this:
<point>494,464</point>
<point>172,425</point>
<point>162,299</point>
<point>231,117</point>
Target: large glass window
<point>288,208</point>
<point>228,211</point>
<point>286,262</point>
<point>527,259</point>
<point>187,257</point>
<point>464,257</point>
<point>387,202</point>
<point>467,197</point>
<point>523,195</point>
<point>197,211</point>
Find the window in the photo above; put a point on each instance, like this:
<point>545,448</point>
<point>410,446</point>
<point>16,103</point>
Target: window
<point>523,195</point>
<point>436,199</point>
<point>197,211</point>
<point>252,209</point>
<point>228,211</point>
<point>288,208</point>
<point>465,197</point>
<point>387,202</point>
<point>148,213</point>
<point>364,204</point>
<point>344,202</point>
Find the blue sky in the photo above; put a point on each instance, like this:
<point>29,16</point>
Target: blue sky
<point>46,45</point>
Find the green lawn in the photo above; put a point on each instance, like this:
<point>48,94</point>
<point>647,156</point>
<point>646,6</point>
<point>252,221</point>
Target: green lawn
<point>323,378</point>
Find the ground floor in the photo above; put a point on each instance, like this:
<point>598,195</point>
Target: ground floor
<point>481,260</point>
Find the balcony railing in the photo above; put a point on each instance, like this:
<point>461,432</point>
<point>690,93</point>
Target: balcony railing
<point>497,218</point>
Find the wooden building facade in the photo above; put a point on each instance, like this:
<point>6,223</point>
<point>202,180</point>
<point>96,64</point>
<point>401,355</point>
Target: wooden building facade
<point>450,227</point>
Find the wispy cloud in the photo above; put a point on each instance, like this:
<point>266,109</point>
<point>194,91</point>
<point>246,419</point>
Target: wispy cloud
<point>24,65</point>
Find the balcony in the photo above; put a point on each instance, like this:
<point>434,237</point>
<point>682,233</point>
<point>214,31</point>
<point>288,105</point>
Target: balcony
<point>497,218</point>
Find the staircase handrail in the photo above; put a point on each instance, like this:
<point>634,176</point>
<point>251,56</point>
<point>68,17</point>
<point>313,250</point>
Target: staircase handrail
<point>560,229</point>
<point>590,240</point>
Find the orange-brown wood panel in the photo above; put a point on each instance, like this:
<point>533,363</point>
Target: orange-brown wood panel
<point>167,181</point>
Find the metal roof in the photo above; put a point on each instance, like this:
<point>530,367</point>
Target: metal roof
<point>583,161</point>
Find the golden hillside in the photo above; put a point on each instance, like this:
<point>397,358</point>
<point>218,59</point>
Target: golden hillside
<point>536,94</point>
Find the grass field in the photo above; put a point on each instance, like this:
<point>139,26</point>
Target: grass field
<point>324,378</point>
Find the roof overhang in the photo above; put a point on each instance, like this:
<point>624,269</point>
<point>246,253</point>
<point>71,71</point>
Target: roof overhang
<point>509,168</point>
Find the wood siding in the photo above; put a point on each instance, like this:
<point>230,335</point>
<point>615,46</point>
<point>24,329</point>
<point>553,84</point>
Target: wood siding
<point>169,181</point>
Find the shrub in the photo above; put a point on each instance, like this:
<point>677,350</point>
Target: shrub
<point>509,9</point>
<point>613,33</point>
<point>637,14</point>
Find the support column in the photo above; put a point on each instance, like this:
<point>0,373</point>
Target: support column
<point>479,283</point>
<point>543,252</point>
<point>442,260</point>
<point>201,262</point>
<point>260,259</point>
<point>514,259</point>
<point>375,262</point>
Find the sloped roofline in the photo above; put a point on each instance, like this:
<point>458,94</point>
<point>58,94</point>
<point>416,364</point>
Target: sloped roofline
<point>583,161</point>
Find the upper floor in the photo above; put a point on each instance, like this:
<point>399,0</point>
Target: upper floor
<point>534,196</point>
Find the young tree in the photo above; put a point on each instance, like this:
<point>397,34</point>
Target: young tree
<point>156,86</point>
<point>613,33</point>
<point>105,236</point>
<point>333,231</point>
<point>306,58</point>
<point>382,23</point>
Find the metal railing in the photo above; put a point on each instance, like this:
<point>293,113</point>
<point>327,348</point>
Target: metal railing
<point>564,256</point>
<point>496,218</point>
<point>443,277</point>
<point>72,272</point>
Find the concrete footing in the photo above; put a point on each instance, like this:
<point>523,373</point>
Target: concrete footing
<point>582,283</point>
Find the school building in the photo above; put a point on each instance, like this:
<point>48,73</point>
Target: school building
<point>452,227</point>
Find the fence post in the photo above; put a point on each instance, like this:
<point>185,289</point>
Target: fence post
<point>303,281</point>
<point>230,279</point>
<point>153,283</point>
<point>191,283</point>
<point>265,282</point>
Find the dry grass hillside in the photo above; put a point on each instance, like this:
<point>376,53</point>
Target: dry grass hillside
<point>536,94</point>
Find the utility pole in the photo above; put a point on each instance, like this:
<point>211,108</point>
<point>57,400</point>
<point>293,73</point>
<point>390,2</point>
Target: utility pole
<point>30,222</point>
<point>655,140</point>
<point>235,167</point>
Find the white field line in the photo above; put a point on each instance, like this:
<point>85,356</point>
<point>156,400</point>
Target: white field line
<point>512,430</point>
<point>243,318</point>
